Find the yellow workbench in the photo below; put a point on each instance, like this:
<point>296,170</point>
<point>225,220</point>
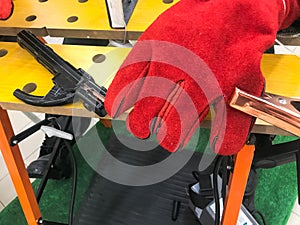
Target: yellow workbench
<point>78,19</point>
<point>18,68</point>
<point>89,19</point>
<point>21,69</point>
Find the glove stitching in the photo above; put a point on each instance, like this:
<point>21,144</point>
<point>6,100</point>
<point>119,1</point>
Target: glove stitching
<point>174,95</point>
<point>196,123</point>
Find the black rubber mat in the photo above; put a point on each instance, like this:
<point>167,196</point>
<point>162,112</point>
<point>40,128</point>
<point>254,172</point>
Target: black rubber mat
<point>109,203</point>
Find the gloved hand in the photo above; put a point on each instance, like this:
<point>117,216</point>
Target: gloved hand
<point>193,56</point>
<point>6,9</point>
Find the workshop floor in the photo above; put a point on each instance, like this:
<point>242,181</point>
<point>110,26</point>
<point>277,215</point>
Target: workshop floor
<point>30,149</point>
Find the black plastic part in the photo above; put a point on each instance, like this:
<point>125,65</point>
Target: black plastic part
<point>47,100</point>
<point>202,199</point>
<point>270,156</point>
<point>248,200</point>
<point>109,203</point>
<point>59,171</point>
<point>46,56</point>
<point>14,140</point>
<point>51,161</point>
<point>91,103</point>
<point>47,169</point>
<point>67,79</point>
<point>84,41</point>
<point>44,222</point>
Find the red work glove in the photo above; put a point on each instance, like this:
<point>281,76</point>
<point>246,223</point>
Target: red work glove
<point>6,8</point>
<point>193,56</point>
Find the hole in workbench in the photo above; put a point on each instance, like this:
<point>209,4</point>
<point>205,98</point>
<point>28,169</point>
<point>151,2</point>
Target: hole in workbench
<point>3,52</point>
<point>99,58</point>
<point>43,0</point>
<point>72,19</point>
<point>82,1</point>
<point>167,1</point>
<point>30,18</point>
<point>28,88</point>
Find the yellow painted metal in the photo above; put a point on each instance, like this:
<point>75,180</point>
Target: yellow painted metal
<point>282,73</point>
<point>146,12</point>
<point>51,17</point>
<point>18,68</point>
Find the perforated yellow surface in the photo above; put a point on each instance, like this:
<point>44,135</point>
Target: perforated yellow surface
<point>78,18</point>
<point>19,68</point>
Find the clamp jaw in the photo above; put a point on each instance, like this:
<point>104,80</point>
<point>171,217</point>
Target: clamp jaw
<point>279,111</point>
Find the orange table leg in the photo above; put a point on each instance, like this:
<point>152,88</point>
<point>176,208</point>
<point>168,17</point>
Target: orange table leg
<point>237,185</point>
<point>17,171</point>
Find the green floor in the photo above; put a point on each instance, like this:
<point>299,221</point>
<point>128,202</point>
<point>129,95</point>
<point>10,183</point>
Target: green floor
<point>275,195</point>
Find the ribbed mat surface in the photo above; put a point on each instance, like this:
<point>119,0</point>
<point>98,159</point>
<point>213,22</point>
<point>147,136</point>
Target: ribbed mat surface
<point>109,203</point>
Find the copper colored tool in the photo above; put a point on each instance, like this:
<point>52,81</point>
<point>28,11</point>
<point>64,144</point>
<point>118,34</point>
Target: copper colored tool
<point>279,111</point>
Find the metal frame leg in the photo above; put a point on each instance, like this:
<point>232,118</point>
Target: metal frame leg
<point>237,185</point>
<point>17,171</point>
